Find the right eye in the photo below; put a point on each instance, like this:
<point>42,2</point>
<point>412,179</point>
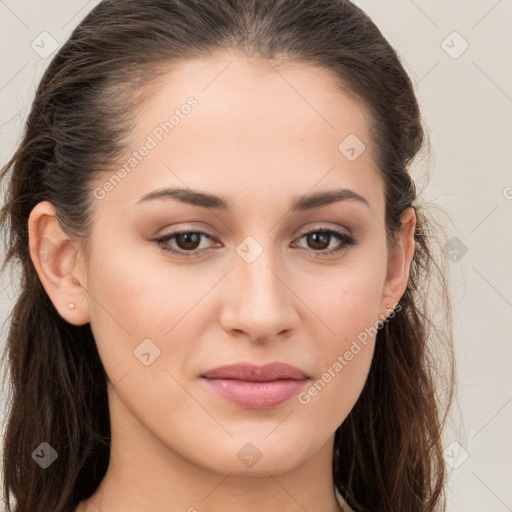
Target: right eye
<point>188,240</point>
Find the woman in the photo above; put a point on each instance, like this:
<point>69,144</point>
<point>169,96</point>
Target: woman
<point>225,268</point>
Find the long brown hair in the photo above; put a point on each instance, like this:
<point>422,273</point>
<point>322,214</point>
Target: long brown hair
<point>388,452</point>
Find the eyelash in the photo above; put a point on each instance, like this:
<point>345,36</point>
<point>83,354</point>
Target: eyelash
<point>347,242</point>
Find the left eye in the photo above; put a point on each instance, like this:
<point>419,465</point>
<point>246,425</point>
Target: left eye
<point>324,236</point>
<point>188,241</point>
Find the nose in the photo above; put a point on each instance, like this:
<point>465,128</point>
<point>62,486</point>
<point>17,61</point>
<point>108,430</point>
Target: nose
<point>258,300</point>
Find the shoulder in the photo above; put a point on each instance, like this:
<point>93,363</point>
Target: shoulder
<point>343,504</point>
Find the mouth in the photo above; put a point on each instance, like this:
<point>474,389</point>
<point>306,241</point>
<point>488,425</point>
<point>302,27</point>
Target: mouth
<point>256,387</point>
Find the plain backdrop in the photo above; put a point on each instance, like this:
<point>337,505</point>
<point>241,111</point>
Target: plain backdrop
<point>458,54</point>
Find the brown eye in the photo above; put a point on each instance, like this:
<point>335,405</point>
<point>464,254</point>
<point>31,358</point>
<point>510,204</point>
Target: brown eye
<point>187,243</point>
<point>320,239</point>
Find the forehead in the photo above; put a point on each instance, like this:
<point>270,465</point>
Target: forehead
<point>258,126</point>
<point>262,96</point>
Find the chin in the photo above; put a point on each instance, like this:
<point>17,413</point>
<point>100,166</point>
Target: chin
<point>243,457</point>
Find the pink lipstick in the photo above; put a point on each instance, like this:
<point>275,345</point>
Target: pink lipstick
<point>256,387</point>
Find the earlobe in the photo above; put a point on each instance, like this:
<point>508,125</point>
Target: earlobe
<point>400,262</point>
<point>58,263</point>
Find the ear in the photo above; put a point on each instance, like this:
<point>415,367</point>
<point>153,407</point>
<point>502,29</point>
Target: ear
<point>58,263</point>
<point>399,263</point>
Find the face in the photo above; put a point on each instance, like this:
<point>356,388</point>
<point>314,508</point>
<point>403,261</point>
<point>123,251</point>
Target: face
<point>181,284</point>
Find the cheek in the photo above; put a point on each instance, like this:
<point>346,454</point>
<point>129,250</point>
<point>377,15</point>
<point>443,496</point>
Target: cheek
<point>343,358</point>
<point>346,299</point>
<point>349,305</point>
<point>133,301</point>
<point>334,391</point>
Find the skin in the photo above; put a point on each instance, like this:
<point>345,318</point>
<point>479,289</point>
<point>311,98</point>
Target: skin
<point>261,137</point>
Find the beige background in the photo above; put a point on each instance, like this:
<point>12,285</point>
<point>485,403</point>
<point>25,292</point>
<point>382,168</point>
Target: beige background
<point>466,99</point>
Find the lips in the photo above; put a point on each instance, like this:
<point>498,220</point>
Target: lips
<point>249,372</point>
<point>256,387</point>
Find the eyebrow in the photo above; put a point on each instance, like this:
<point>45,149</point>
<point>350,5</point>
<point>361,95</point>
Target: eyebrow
<point>301,204</point>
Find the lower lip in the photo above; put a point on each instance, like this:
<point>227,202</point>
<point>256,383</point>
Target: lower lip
<point>257,395</point>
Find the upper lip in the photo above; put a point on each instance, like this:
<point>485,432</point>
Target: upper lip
<point>251,372</point>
